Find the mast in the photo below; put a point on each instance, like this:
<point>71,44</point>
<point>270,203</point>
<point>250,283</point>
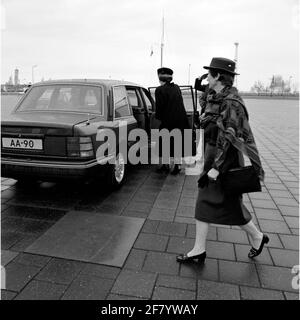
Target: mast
<point>236,61</point>
<point>162,42</point>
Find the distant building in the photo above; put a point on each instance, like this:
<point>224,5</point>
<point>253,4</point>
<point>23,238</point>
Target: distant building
<point>17,81</point>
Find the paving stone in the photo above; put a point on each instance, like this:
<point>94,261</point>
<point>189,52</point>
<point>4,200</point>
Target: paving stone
<point>274,241</point>
<point>162,293</point>
<point>162,214</point>
<point>220,250</point>
<point>260,196</point>
<point>100,271</point>
<point>293,222</point>
<point>284,257</point>
<point>24,225</point>
<point>134,283</point>
<point>190,193</point>
<point>139,206</point>
<point>164,263</point>
<point>60,271</point>
<point>185,211</point>
<point>41,290</point>
<point>292,296</point>
<point>208,271</point>
<point>231,235</point>
<point>18,275</point>
<point>275,186</point>
<point>25,241</point>
<point>185,201</point>
<point>280,193</point>
<point>176,282</point>
<point>210,290</point>
<point>135,259</point>
<point>35,213</point>
<point>289,211</point>
<point>268,214</point>
<point>150,226</point>
<point>148,241</point>
<point>172,229</point>
<point>266,204</point>
<point>239,273</point>
<point>122,297</point>
<point>242,255</point>
<point>146,197</point>
<point>278,278</point>
<point>167,200</point>
<point>290,242</point>
<point>32,259</point>
<point>291,184</point>
<point>7,295</point>
<point>211,235</point>
<point>135,214</point>
<point>180,245</point>
<point>295,231</point>
<point>248,293</point>
<point>86,287</point>
<point>185,220</point>
<point>7,256</point>
<point>274,226</point>
<point>286,202</point>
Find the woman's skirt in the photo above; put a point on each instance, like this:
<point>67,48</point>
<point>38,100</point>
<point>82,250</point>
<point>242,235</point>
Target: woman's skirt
<point>213,206</point>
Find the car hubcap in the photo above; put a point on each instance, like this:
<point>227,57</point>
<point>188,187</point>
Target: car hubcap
<point>119,168</point>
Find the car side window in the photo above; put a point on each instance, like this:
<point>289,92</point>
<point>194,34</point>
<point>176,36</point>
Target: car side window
<point>134,99</point>
<point>121,105</point>
<point>147,101</point>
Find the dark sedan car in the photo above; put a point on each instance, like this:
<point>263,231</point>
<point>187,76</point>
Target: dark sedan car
<point>52,132</point>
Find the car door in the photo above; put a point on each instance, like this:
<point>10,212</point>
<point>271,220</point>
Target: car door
<point>190,108</point>
<point>122,114</point>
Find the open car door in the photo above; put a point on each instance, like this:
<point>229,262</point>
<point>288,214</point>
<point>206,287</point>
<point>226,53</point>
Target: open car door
<point>190,108</point>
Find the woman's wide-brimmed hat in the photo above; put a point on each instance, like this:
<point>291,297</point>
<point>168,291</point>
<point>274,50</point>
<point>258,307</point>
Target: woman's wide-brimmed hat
<point>222,64</point>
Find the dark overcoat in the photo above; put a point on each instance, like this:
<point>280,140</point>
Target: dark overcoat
<point>170,108</point>
<point>171,112</point>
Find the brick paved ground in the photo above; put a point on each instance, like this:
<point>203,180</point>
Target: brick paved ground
<point>167,203</point>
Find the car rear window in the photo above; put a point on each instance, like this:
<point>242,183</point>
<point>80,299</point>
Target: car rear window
<point>75,98</point>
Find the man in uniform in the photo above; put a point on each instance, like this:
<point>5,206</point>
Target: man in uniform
<point>170,110</point>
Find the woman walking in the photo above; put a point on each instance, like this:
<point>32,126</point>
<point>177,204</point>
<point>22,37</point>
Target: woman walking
<point>226,128</point>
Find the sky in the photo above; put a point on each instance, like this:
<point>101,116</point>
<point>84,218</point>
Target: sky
<point>113,39</point>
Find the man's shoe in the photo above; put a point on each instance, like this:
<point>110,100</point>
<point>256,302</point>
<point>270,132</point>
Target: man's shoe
<point>182,258</point>
<point>255,252</point>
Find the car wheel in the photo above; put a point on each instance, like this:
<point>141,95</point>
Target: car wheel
<point>117,172</point>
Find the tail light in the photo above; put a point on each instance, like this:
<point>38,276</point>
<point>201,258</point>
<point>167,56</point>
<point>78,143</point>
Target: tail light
<point>80,147</point>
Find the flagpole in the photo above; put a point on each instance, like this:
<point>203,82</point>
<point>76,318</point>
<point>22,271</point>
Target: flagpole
<point>162,41</point>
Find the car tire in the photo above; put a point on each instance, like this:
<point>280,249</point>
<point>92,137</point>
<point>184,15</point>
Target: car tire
<point>117,172</point>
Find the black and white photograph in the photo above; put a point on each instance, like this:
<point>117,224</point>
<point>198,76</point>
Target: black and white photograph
<point>150,151</point>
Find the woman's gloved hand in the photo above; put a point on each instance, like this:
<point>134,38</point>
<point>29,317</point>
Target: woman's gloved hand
<point>213,174</point>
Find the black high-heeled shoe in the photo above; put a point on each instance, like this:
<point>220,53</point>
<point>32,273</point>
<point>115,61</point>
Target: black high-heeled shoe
<point>255,252</point>
<point>182,258</point>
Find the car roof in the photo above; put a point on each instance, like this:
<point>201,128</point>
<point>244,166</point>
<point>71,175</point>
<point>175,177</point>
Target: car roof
<point>104,82</point>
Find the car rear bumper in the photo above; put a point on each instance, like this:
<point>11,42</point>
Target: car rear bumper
<point>17,168</point>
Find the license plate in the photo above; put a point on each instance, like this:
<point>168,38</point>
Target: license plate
<point>18,143</point>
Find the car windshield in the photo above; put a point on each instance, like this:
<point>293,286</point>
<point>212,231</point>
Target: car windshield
<point>76,98</point>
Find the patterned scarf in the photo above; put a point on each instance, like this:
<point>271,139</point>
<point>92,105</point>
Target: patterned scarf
<point>233,123</point>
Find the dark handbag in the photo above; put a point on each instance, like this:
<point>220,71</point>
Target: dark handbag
<point>240,180</point>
